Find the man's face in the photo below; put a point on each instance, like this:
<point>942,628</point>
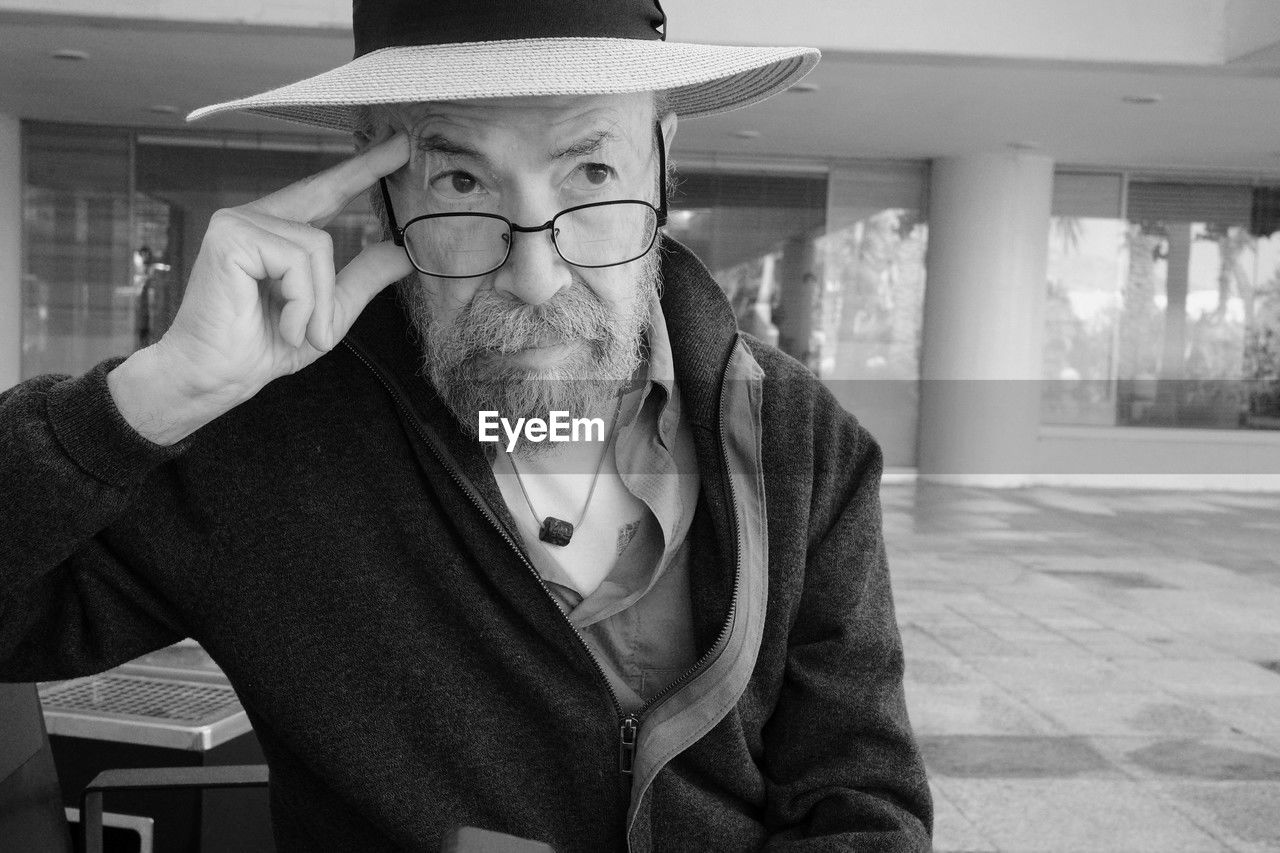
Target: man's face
<point>538,334</point>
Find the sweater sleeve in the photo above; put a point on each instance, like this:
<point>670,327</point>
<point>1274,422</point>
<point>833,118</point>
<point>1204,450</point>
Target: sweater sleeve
<point>71,601</point>
<point>843,769</point>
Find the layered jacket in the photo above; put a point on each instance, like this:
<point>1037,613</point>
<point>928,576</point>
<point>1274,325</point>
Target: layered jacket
<point>343,552</point>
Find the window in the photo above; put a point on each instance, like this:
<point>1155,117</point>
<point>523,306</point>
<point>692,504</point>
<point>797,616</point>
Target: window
<point>874,251</point>
<point>76,287</point>
<point>757,234</point>
<point>182,181</point>
<point>1165,313</point>
<point>113,221</point>
<point>830,268</point>
<point>872,304</point>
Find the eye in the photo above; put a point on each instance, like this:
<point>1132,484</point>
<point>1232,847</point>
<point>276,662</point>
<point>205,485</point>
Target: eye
<point>456,184</point>
<point>594,174</point>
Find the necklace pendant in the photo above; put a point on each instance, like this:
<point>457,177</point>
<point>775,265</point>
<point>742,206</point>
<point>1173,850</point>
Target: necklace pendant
<point>555,531</point>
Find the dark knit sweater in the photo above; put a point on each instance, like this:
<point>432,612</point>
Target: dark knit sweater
<point>345,556</point>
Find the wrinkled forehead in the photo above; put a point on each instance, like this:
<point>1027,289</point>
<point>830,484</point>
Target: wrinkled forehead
<point>535,120</point>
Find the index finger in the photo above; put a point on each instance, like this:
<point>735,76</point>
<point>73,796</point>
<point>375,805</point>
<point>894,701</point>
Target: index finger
<point>320,197</point>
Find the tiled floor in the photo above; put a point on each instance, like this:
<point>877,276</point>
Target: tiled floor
<point>1092,671</point>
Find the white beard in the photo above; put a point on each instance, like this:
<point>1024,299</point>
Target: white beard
<point>462,359</point>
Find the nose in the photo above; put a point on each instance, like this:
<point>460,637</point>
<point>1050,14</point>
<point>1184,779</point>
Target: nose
<point>534,271</point>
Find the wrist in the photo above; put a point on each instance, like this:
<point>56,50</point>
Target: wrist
<point>162,400</point>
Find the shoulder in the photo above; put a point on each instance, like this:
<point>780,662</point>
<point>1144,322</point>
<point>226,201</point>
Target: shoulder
<point>809,406</point>
<point>811,444</point>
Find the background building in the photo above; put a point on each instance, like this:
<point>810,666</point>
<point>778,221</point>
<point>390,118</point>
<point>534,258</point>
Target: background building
<point>1024,242</point>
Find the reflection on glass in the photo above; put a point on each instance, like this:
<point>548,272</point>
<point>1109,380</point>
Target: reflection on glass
<point>1088,264</point>
<point>866,341</point>
<point>872,304</point>
<point>106,262</point>
<point>829,268</point>
<point>181,183</point>
<point>78,293</point>
<point>1162,322</point>
<point>758,235</point>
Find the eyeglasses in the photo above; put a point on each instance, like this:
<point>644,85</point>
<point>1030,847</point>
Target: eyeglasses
<point>467,245</point>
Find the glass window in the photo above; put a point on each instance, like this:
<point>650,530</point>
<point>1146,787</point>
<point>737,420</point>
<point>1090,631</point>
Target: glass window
<point>76,287</point>
<point>757,234</point>
<point>867,344</point>
<point>182,181</point>
<point>831,269</point>
<point>1088,264</point>
<point>1167,316</point>
<point>113,222</point>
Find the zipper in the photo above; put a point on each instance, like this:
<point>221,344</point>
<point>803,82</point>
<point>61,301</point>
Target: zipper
<point>627,734</point>
<point>723,638</point>
<point>628,723</point>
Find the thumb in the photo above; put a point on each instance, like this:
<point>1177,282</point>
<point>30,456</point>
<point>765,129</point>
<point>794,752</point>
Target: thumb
<point>362,279</point>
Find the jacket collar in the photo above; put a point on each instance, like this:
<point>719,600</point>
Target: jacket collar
<point>702,328</point>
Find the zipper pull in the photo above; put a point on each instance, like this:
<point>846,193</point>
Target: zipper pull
<point>628,732</point>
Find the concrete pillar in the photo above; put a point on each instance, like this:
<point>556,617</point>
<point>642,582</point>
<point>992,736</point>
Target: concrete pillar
<point>981,352</point>
<point>10,252</point>
<point>798,295</point>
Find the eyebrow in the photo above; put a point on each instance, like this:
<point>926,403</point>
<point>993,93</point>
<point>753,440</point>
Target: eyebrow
<point>588,145</point>
<point>441,144</point>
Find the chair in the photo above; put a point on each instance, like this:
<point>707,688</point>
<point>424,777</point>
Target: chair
<point>32,815</point>
<point>156,778</point>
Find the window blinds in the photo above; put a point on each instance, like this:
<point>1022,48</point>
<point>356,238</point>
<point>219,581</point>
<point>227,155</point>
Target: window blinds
<point>1104,196</point>
<point>1088,195</point>
<point>1222,204</point>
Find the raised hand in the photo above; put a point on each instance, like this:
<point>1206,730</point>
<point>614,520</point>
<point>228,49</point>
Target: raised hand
<point>263,301</point>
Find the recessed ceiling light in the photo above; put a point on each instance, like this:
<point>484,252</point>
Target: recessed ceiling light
<point>1025,145</point>
<point>70,54</point>
<point>803,88</point>
<point>747,134</point>
<point>1142,99</point>
<point>163,109</point>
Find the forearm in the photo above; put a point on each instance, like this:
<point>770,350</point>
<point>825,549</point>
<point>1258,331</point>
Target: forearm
<point>70,468</point>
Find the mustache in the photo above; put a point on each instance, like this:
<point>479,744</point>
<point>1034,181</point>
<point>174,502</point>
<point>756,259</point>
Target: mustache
<point>493,321</point>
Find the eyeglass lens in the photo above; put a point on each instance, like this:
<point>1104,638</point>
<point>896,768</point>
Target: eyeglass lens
<point>464,245</point>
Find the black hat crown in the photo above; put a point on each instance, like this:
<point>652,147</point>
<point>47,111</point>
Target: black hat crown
<point>405,23</point>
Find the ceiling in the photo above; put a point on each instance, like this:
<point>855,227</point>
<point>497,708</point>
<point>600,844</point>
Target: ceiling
<point>1208,118</point>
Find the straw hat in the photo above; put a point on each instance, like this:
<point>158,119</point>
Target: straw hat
<point>444,50</point>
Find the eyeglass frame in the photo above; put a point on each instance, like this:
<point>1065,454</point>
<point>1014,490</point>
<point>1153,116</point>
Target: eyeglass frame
<point>398,231</point>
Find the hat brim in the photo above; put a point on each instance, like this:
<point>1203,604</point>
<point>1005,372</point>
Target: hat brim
<point>699,79</point>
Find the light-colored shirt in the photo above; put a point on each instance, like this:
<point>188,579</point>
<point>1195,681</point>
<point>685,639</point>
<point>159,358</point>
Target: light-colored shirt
<point>623,579</point>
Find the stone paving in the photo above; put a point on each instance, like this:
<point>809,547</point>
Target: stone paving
<point>1092,671</point>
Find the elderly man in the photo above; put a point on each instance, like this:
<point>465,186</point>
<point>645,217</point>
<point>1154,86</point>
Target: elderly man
<point>673,633</point>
